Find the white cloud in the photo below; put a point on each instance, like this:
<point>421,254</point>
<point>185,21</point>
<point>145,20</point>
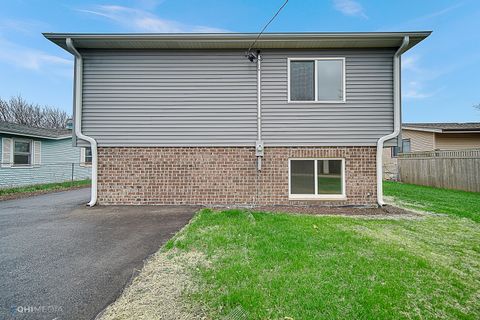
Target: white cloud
<point>413,93</point>
<point>28,27</point>
<point>416,77</point>
<point>438,13</point>
<point>147,4</point>
<point>143,21</point>
<point>409,62</point>
<point>350,8</point>
<point>415,89</point>
<point>29,58</point>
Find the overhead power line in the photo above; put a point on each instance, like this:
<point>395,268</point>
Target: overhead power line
<point>265,27</point>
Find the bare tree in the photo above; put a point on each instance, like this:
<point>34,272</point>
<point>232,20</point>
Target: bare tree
<point>18,110</point>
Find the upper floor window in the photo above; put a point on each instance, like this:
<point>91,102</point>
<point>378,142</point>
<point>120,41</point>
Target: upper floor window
<point>316,79</point>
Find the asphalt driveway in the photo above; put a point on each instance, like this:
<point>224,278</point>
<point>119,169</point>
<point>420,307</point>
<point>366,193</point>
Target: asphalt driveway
<point>62,260</point>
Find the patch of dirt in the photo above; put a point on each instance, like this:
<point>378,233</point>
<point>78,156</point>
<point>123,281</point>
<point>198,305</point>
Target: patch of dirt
<point>158,292</point>
<point>386,210</point>
<point>21,195</point>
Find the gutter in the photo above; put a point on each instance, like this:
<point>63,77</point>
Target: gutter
<point>396,117</point>
<point>78,118</point>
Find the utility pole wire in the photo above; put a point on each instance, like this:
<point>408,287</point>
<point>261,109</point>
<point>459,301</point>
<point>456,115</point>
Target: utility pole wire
<point>273,18</point>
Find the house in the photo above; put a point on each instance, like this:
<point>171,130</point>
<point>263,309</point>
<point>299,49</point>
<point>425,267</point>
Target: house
<point>417,137</point>
<point>440,136</point>
<point>31,155</point>
<point>300,119</point>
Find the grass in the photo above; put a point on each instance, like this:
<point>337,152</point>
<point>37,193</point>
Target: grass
<point>453,202</point>
<point>44,187</point>
<point>280,266</point>
<point>239,265</point>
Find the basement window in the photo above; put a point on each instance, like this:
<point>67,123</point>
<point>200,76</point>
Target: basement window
<point>320,80</point>
<point>317,178</point>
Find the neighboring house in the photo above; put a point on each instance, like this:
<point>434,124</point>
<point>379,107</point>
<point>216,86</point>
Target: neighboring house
<point>188,119</point>
<point>417,137</point>
<point>440,136</point>
<point>31,155</point>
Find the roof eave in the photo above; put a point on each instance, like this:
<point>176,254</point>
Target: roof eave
<point>422,129</point>
<point>238,40</point>
<point>461,131</point>
<point>34,135</point>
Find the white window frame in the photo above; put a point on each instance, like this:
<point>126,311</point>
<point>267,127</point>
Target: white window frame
<point>316,196</point>
<point>315,59</point>
<point>83,158</point>
<point>410,145</point>
<point>15,165</point>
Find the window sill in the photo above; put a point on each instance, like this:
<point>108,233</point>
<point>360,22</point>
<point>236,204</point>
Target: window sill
<point>21,167</point>
<point>339,197</point>
<point>317,102</point>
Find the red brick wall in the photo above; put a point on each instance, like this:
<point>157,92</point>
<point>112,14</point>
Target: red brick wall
<point>222,176</point>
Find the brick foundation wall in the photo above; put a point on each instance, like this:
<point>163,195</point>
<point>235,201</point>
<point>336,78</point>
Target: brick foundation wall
<point>222,176</point>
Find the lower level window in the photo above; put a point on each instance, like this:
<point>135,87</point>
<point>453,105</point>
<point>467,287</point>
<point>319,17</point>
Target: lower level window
<point>317,178</point>
<point>22,153</point>
<point>88,155</point>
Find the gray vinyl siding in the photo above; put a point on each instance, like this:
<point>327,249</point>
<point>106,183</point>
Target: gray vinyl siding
<point>166,98</point>
<point>57,159</point>
<point>209,98</point>
<point>366,115</point>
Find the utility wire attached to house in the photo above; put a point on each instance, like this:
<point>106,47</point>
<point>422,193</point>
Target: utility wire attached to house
<point>250,55</point>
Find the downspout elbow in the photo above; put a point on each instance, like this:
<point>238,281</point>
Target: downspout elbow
<point>78,118</point>
<point>396,118</point>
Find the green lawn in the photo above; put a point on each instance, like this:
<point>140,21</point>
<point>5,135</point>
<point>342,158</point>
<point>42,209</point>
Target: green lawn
<point>239,265</point>
<point>454,202</point>
<point>280,266</point>
<point>45,187</point>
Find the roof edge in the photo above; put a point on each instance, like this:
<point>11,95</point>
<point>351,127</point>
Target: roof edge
<point>233,35</point>
<point>231,40</point>
<point>34,135</point>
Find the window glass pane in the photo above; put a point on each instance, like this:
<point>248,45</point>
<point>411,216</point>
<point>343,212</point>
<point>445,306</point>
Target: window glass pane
<point>329,176</point>
<point>406,145</point>
<point>330,80</point>
<point>22,146</point>
<point>21,159</point>
<point>88,155</point>
<point>302,178</point>
<point>302,80</point>
<point>394,151</point>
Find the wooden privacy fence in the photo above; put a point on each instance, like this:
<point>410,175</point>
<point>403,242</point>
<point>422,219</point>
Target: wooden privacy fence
<point>451,169</point>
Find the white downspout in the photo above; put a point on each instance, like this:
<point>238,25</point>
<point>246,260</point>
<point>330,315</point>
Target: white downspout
<point>259,150</point>
<point>396,118</point>
<point>78,118</point>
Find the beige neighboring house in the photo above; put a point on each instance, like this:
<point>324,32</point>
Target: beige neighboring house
<point>416,137</point>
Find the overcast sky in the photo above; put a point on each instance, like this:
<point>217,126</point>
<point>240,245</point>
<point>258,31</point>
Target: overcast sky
<point>441,76</point>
